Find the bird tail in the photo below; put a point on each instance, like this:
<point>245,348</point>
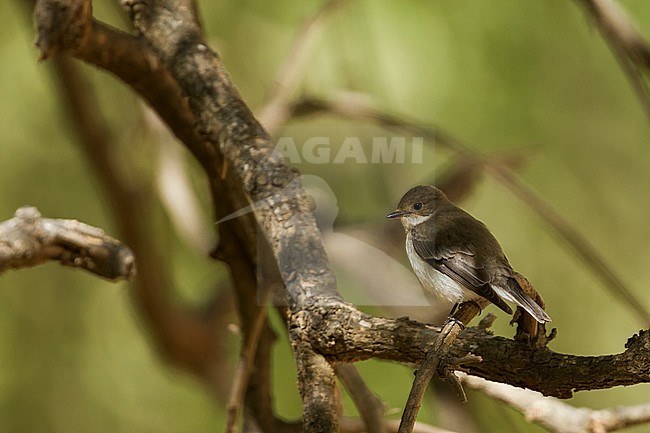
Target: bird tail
<point>517,295</point>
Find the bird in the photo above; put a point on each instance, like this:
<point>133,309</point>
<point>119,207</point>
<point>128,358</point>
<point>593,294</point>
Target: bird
<point>455,256</point>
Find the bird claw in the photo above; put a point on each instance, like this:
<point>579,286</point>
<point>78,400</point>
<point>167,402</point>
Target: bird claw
<point>451,320</point>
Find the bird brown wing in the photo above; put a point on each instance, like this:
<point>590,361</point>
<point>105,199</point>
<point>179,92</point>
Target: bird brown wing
<point>460,265</point>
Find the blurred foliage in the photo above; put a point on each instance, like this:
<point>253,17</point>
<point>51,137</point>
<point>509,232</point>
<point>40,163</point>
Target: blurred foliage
<point>502,75</point>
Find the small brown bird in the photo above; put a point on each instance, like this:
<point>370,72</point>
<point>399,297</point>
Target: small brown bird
<point>455,256</point>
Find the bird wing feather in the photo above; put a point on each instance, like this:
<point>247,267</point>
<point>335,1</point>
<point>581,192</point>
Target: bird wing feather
<point>459,264</point>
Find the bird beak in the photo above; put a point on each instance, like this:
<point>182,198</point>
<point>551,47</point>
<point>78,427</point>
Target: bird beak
<point>396,214</point>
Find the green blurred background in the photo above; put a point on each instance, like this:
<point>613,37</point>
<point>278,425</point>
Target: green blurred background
<point>501,75</point>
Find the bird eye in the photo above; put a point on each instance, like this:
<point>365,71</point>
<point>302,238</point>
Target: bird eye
<point>417,206</point>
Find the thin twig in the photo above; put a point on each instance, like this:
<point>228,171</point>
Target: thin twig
<point>244,366</point>
<point>425,373</point>
<point>371,408</point>
<point>433,361</point>
<point>588,252</point>
<point>626,43</point>
<point>289,75</point>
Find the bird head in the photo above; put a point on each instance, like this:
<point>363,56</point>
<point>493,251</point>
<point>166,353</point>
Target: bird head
<point>418,205</point>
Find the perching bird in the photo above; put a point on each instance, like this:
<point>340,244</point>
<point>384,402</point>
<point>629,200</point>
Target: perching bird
<point>455,256</point>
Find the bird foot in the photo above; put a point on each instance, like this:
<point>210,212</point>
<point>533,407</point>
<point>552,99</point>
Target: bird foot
<point>452,320</point>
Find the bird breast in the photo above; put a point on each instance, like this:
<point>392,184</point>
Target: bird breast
<point>434,281</point>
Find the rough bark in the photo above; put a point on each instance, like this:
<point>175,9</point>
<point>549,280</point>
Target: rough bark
<point>28,239</point>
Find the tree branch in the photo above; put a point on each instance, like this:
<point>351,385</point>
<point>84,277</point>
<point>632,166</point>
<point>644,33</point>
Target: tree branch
<point>289,75</point>
<point>437,361</point>
<point>237,395</point>
<point>627,44</point>
<point>370,407</point>
<point>343,333</point>
<point>282,208</point>
<point>28,239</point>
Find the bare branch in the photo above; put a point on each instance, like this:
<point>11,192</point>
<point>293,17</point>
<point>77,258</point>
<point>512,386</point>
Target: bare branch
<point>557,416</point>
<point>317,386</point>
<point>28,239</point>
<point>434,363</point>
<point>289,75</point>
<point>284,214</point>
<point>244,366</point>
<point>371,408</point>
<point>344,334</point>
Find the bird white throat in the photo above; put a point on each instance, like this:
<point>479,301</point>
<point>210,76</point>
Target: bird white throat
<point>410,221</point>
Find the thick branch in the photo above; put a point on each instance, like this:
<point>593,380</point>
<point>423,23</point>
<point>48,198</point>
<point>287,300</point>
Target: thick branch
<point>342,333</point>
<point>317,386</point>
<point>28,239</point>
<point>281,206</point>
